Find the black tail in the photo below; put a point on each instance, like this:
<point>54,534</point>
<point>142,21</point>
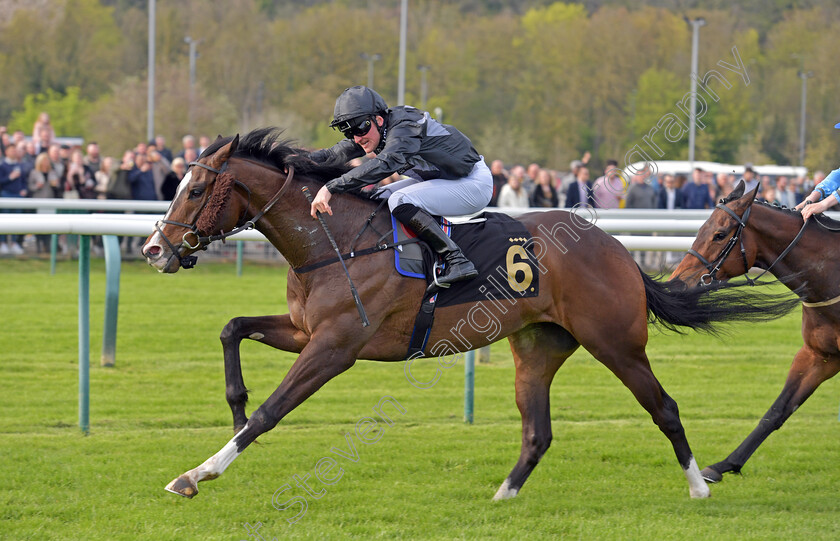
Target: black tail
<point>674,305</point>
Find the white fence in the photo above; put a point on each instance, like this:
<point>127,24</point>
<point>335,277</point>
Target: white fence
<point>617,222</point>
<point>652,229</point>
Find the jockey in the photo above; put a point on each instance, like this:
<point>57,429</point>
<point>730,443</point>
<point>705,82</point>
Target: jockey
<point>451,177</point>
<point>829,186</point>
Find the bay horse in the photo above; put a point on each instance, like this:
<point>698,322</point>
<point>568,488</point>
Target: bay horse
<point>591,293</point>
<point>804,257</point>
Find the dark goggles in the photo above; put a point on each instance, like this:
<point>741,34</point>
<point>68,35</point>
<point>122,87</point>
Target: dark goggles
<point>354,127</point>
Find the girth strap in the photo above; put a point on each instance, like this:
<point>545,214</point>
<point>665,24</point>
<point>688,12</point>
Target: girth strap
<point>422,326</point>
<point>350,255</point>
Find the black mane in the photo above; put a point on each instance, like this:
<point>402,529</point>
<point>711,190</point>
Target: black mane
<point>775,206</point>
<point>828,223</point>
<point>265,145</point>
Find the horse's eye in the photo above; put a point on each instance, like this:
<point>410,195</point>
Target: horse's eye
<point>719,235</point>
<point>196,193</point>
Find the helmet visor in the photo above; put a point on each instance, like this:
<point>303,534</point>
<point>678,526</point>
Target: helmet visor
<point>355,126</point>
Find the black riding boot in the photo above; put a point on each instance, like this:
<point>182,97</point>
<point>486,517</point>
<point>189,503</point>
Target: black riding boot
<point>458,267</point>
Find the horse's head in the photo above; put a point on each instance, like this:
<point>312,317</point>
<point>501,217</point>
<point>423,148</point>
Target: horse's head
<point>721,249</point>
<point>201,207</point>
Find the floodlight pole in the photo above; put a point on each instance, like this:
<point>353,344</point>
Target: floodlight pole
<point>150,111</point>
<point>695,46</point>
<point>370,58</point>
<point>192,43</point>
<point>423,87</point>
<point>403,32</point>
<point>804,75</point>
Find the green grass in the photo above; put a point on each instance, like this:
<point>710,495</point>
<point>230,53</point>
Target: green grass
<point>610,474</point>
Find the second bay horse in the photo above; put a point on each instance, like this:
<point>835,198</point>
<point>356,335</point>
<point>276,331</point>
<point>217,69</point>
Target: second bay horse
<point>742,233</point>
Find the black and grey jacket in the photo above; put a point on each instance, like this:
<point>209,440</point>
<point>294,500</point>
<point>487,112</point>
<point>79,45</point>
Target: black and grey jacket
<point>413,140</point>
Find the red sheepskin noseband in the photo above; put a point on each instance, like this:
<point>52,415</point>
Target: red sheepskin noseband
<point>208,221</point>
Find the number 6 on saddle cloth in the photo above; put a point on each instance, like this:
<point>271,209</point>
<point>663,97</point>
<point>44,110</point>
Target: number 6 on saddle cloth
<point>500,248</point>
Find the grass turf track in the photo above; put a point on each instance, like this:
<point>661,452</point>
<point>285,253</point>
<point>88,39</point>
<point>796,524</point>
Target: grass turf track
<point>610,474</point>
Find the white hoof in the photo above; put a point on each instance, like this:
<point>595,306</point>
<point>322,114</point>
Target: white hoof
<point>505,492</point>
<point>700,493</point>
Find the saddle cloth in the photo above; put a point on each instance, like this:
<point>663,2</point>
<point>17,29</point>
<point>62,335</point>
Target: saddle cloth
<point>498,246</point>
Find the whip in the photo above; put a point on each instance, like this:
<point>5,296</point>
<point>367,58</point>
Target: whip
<point>365,322</point>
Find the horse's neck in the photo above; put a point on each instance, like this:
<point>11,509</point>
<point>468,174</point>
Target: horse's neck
<point>300,238</point>
<point>809,261</point>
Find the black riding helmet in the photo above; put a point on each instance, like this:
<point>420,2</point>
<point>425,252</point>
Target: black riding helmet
<point>356,102</point>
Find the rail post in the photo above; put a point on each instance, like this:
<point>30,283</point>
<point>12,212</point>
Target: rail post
<point>239,250</point>
<point>84,333</point>
<point>469,385</point>
<point>112,299</point>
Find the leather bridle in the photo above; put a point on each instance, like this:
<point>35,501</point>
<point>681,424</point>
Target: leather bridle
<point>714,266</point>
<point>201,242</point>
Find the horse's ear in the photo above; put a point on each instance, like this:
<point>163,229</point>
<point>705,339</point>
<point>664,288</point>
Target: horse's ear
<point>737,193</point>
<point>223,154</point>
<point>755,191</point>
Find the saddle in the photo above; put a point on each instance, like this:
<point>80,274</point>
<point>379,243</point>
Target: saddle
<point>499,246</point>
<point>412,259</point>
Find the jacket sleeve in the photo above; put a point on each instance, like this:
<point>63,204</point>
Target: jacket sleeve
<point>830,184</point>
<point>403,143</point>
<point>133,176</point>
<point>4,174</point>
<point>340,153</point>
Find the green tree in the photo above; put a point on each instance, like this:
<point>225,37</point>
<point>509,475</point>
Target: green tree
<point>658,92</point>
<point>68,112</point>
<point>83,48</point>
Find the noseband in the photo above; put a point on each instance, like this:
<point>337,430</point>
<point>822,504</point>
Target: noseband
<point>714,266</point>
<point>201,242</point>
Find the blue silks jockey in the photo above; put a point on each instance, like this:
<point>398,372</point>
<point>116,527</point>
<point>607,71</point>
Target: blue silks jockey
<point>825,195</point>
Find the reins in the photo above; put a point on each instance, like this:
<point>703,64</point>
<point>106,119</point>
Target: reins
<point>201,242</point>
<point>378,246</point>
<point>249,224</point>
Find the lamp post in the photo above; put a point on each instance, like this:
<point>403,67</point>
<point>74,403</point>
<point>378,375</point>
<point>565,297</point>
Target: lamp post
<point>695,46</point>
<point>403,32</point>
<point>150,102</point>
<point>192,43</point>
<point>804,75</point>
<point>370,58</point>
<point>423,88</point>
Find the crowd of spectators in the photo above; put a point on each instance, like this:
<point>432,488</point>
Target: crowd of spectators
<point>518,187</point>
<point>40,166</point>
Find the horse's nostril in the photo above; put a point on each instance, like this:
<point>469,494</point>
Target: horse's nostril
<point>152,251</point>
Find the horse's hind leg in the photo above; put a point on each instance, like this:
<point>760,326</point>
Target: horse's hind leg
<point>538,351</point>
<point>807,372</point>
<point>275,331</point>
<point>633,369</point>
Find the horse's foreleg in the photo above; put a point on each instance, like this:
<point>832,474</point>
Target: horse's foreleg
<point>316,365</point>
<point>807,372</point>
<point>538,351</point>
<point>275,331</point>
